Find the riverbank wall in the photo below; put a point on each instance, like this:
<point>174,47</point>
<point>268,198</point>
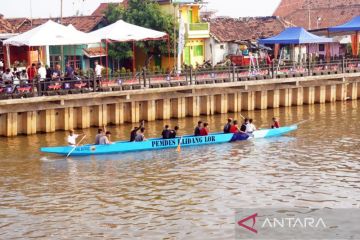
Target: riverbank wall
<point>79,111</point>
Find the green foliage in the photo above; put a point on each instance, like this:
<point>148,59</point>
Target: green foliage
<point>145,13</point>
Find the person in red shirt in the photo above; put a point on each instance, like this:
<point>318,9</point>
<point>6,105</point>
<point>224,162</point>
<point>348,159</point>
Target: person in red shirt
<point>31,71</point>
<point>276,123</point>
<point>205,130</point>
<point>234,127</point>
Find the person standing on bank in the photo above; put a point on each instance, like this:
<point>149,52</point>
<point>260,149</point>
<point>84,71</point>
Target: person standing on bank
<point>42,76</point>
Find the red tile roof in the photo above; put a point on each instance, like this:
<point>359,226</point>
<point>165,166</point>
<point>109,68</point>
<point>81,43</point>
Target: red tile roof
<point>94,52</point>
<point>245,29</point>
<point>82,23</point>
<point>331,12</point>
<point>6,26</point>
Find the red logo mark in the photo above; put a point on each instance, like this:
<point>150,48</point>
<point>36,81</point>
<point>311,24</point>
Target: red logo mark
<point>253,217</point>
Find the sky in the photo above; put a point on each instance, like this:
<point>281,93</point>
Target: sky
<point>51,8</point>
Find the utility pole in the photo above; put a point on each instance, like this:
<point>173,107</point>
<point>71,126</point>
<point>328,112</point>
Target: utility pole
<point>175,22</point>
<point>61,11</point>
<point>31,17</point>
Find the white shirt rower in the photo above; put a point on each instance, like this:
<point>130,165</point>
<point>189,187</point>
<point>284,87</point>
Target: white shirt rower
<point>71,139</point>
<point>250,127</point>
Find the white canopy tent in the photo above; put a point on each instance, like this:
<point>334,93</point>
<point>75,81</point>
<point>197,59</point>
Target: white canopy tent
<point>122,31</point>
<point>49,34</point>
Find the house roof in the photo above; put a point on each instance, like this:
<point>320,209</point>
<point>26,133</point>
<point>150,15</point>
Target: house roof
<point>6,26</point>
<point>94,52</point>
<point>81,23</point>
<point>246,29</point>
<point>332,13</point>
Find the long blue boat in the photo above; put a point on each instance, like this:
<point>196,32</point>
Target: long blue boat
<point>159,143</point>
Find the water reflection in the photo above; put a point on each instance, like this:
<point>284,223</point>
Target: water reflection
<point>192,194</point>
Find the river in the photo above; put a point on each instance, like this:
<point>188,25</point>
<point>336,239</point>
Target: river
<point>188,195</point>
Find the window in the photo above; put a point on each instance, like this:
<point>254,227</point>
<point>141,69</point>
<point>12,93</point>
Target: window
<point>321,47</point>
<point>198,51</point>
<point>72,59</point>
<point>54,59</point>
<point>222,46</point>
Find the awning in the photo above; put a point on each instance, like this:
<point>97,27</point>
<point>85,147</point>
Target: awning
<point>351,26</point>
<point>295,35</point>
<point>123,32</point>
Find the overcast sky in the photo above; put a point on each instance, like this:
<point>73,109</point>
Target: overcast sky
<point>51,8</point>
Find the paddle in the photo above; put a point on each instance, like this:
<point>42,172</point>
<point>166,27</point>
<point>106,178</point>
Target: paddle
<point>242,116</point>
<point>76,146</point>
<point>301,122</point>
<point>179,145</point>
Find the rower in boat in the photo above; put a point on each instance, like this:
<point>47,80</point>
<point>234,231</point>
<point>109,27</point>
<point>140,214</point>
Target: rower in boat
<point>235,128</point>
<point>228,126</point>
<point>140,137</point>
<point>101,132</point>
<point>166,132</point>
<point>71,139</point>
<point>276,123</point>
<point>174,132</point>
<point>205,129</point>
<point>133,133</point>
<point>250,127</point>
<point>244,125</point>
<point>105,139</point>
<point>198,128</point>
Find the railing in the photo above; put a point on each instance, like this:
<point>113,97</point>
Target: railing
<point>199,27</point>
<point>189,76</point>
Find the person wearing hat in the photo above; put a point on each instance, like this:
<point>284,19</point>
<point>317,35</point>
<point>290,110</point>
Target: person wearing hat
<point>227,126</point>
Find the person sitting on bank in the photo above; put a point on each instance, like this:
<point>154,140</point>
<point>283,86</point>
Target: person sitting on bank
<point>71,139</point>
<point>105,139</point>
<point>140,137</point>
<point>166,132</point>
<point>198,128</point>
<point>100,133</point>
<point>250,127</point>
<point>133,133</point>
<point>228,126</point>
<point>276,123</point>
<point>174,132</point>
<point>205,130</point>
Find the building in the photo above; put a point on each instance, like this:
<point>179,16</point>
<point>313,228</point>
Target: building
<point>228,34</point>
<point>313,14</point>
<point>196,31</point>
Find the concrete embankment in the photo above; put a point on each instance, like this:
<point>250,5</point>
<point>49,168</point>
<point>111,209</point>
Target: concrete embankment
<point>51,113</point>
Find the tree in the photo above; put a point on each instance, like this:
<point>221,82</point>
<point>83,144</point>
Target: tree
<point>145,13</point>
